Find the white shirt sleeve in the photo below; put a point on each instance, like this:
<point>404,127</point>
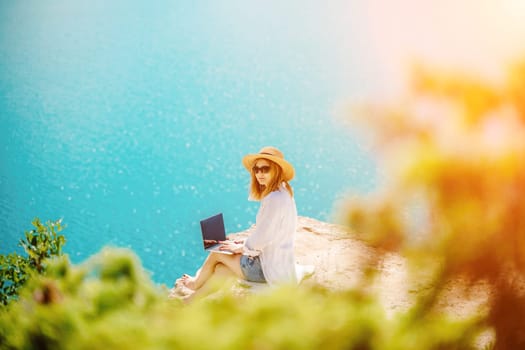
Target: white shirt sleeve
<point>267,223</point>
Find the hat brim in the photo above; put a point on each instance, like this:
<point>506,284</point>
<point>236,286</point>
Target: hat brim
<point>288,170</point>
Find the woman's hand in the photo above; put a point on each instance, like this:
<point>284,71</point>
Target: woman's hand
<point>232,246</point>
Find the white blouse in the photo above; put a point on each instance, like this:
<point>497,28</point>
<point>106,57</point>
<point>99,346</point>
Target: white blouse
<point>273,238</point>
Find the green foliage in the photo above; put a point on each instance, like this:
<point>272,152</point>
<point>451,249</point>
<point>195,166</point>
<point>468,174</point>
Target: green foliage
<point>41,243</point>
<point>109,302</point>
<point>14,272</point>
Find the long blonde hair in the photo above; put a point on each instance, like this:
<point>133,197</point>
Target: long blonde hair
<point>258,191</point>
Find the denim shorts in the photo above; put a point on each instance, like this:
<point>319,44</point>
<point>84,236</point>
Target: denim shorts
<point>251,268</point>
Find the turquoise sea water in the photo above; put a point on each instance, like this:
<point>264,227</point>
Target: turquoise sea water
<point>129,119</point>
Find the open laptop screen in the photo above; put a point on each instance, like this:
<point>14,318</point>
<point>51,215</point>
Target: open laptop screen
<point>213,230</point>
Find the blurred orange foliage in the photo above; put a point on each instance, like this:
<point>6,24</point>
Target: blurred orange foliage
<point>452,160</point>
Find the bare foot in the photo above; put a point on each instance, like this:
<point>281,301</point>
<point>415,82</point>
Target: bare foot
<point>188,281</point>
<point>187,298</point>
<point>178,282</point>
<point>180,292</point>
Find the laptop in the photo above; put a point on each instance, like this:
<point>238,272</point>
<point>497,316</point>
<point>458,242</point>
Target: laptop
<point>213,232</point>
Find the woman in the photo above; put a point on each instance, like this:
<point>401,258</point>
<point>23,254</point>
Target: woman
<point>267,255</point>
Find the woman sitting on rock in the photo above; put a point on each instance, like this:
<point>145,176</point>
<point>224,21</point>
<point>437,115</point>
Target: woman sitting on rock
<point>267,255</point>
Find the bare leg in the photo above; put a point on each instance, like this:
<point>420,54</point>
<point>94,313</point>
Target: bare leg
<point>232,262</point>
<point>220,276</point>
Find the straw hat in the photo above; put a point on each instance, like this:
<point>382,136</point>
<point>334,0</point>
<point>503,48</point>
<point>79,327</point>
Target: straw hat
<point>273,154</point>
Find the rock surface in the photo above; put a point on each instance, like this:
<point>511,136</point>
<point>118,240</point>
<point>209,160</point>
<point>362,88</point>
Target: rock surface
<point>341,259</point>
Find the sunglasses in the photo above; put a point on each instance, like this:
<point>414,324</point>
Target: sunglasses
<point>264,169</point>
